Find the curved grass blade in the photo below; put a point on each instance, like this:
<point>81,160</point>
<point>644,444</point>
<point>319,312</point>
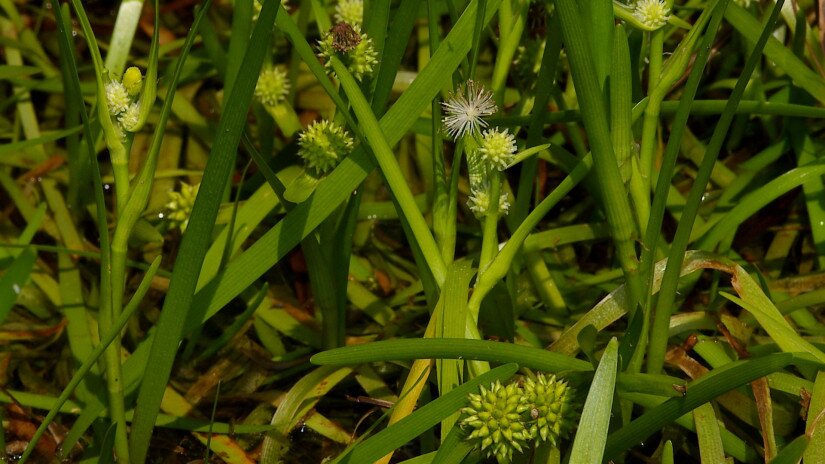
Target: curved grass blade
<point>701,391</point>
<point>452,348</point>
<point>300,399</point>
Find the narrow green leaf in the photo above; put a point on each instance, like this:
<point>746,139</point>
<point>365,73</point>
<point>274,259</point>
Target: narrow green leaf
<point>449,348</point>
<point>170,327</point>
<point>815,425</point>
<point>708,387</point>
<point>707,431</point>
<point>588,446</point>
<point>13,280</point>
<point>750,28</point>
<point>794,451</point>
<point>91,361</point>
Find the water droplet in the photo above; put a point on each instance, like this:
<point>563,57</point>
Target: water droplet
<point>74,33</point>
<point>106,186</point>
<point>160,215</point>
<point>16,289</point>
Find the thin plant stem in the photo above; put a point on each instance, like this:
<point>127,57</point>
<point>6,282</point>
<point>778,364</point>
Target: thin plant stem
<point>489,237</point>
<point>497,268</point>
<point>650,126</point>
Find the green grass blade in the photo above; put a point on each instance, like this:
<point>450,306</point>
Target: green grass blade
<point>193,246</point>
<point>774,50</point>
<point>701,391</point>
<point>446,348</point>
<point>454,448</point>
<point>13,280</point>
<point>594,115</point>
<point>794,451</point>
<point>588,446</point>
<point>707,431</point>
<point>814,427</point>
<point>663,307</point>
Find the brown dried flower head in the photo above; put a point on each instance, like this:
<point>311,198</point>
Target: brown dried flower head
<point>344,37</point>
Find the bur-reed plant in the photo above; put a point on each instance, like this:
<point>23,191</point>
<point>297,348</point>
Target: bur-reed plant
<point>514,230</point>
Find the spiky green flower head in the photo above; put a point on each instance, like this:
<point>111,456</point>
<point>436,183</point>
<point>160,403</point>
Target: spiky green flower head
<point>323,145</point>
<point>465,108</point>
<point>497,148</point>
<point>117,98</point>
<point>350,11</point>
<point>550,405</point>
<point>496,417</point>
<point>652,13</point>
<point>133,81</point>
<point>272,87</point>
<point>479,201</point>
<point>354,48</point>
<point>180,205</point>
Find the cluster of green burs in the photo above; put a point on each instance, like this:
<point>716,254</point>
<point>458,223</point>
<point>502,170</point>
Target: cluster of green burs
<point>504,418</point>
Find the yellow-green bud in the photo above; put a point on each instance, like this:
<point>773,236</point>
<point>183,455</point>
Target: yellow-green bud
<point>272,87</point>
<point>133,81</point>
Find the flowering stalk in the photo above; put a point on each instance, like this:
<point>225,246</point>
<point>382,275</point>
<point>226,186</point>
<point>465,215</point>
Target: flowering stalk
<point>123,106</point>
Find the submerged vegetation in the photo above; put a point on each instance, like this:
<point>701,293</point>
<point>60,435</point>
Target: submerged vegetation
<point>435,231</point>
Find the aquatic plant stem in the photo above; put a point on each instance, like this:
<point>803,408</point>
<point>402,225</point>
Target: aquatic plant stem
<point>650,125</point>
<point>489,233</point>
<point>594,115</point>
